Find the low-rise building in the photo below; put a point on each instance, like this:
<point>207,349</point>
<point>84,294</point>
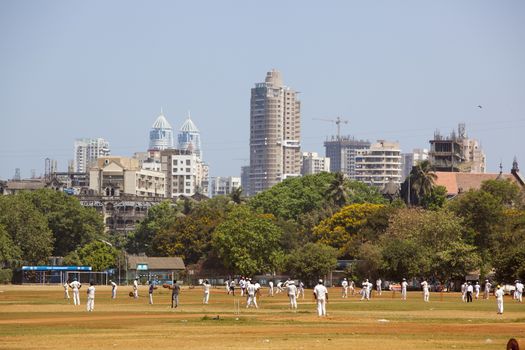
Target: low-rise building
<point>312,163</point>
<point>223,185</point>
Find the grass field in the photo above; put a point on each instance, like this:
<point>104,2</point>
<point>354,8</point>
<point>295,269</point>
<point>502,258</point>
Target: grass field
<point>37,317</point>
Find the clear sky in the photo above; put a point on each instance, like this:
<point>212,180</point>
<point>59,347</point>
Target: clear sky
<point>397,70</point>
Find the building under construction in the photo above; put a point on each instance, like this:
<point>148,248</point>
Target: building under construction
<point>342,151</point>
<point>457,153</point>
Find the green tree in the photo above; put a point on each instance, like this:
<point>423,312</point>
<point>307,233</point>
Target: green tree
<point>419,182</point>
<point>72,224</point>
<point>247,242</point>
<point>160,217</point>
<point>10,253</point>
<point>236,195</point>
<point>507,192</point>
<point>27,228</point>
<point>312,261</point>
<point>338,191</point>
<point>99,255</point>
<point>436,199</point>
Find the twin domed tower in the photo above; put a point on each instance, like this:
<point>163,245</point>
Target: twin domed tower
<point>161,136</point>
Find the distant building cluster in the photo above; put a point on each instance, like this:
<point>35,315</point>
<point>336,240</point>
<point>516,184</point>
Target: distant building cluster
<point>173,167</point>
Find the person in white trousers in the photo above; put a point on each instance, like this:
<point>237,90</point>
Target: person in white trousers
<point>113,289</point>
<point>486,292</point>
<point>292,294</point>
<point>66,291</point>
<point>518,293</point>
<point>426,292</point>
<point>499,299</point>
<point>136,288</point>
<point>91,297</point>
<point>75,286</point>
<point>300,290</point>
<point>321,296</point>
<point>270,288</point>
<point>378,286</point>
<point>252,299</point>
<point>477,288</point>
<point>344,286</point>
<point>404,286</point>
<point>206,288</point>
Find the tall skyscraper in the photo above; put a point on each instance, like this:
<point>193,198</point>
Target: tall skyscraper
<point>275,127</point>
<point>161,134</point>
<point>86,151</point>
<point>379,164</point>
<point>189,137</point>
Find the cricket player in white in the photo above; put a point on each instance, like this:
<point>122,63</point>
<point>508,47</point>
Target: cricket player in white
<point>270,288</point>
<point>91,297</point>
<point>252,299</point>
<point>206,286</point>
<point>404,286</point>
<point>351,287</point>
<point>426,292</point>
<point>464,292</point>
<point>242,285</point>
<point>66,291</point>
<point>344,285</point>
<point>279,287</point>
<point>365,292</point>
<point>477,288</point>
<point>519,291</point>
<point>499,299</point>
<point>300,290</point>
<point>378,286</point>
<point>113,289</point>
<point>292,294</point>
<point>76,285</point>
<point>321,295</point>
<point>486,291</point>
<point>136,288</point>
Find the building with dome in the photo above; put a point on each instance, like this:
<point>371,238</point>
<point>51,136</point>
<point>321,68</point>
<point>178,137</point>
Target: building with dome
<point>161,134</point>
<point>189,138</point>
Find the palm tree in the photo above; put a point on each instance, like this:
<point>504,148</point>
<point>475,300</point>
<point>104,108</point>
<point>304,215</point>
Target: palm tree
<point>236,195</point>
<point>337,190</point>
<point>421,180</point>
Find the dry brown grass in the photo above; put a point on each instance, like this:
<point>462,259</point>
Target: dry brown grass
<point>36,317</point>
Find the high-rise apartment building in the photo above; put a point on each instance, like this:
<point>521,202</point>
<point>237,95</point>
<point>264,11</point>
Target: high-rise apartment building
<point>275,127</point>
<point>88,150</point>
<point>161,134</point>
<point>379,164</point>
<point>245,179</point>
<point>342,152</point>
<point>181,169</point>
<point>312,163</point>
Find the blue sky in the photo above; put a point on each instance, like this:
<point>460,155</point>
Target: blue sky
<point>397,70</point>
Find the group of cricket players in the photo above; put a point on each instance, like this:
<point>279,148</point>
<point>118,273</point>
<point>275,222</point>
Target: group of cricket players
<point>294,291</point>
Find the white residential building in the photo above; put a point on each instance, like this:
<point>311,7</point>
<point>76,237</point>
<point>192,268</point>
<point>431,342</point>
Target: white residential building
<point>312,163</point>
<point>86,151</point>
<point>223,185</point>
<point>379,164</point>
<point>183,171</point>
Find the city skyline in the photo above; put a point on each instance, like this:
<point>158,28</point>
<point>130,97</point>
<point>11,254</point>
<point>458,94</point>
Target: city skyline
<point>397,71</point>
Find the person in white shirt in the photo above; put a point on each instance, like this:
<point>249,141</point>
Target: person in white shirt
<point>464,292</point>
<point>292,294</point>
<point>136,288</point>
<point>227,285</point>
<point>321,296</point>
<point>486,291</point>
<point>252,299</point>
<point>206,288</point>
<point>426,291</point>
<point>499,299</point>
<point>365,291</point>
<point>344,286</point>
<point>378,286</point>
<point>279,287</point>
<point>113,289</point>
<point>232,287</point>
<point>66,291</point>
<point>470,289</point>
<point>270,288</point>
<point>351,286</point>
<point>75,286</point>
<point>404,286</point>
<point>477,288</point>
<point>519,291</point>
<point>300,290</point>
<point>91,297</point>
<point>242,286</point>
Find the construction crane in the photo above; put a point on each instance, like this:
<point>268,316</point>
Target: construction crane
<point>337,122</point>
